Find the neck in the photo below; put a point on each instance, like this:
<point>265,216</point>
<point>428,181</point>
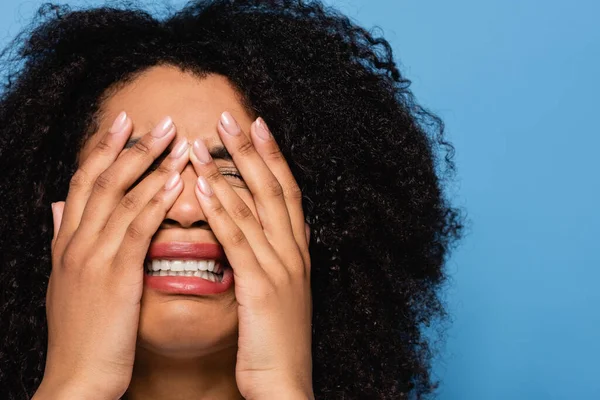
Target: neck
<point>160,377</point>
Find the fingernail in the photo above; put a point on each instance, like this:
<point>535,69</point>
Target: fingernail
<point>172,181</point>
<point>163,127</point>
<point>179,149</point>
<point>229,124</point>
<point>204,186</point>
<point>262,130</point>
<point>120,123</point>
<point>201,152</point>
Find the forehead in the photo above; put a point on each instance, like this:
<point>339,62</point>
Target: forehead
<point>194,103</point>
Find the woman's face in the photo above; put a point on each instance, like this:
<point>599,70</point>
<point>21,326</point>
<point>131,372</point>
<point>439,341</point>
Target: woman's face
<point>180,325</point>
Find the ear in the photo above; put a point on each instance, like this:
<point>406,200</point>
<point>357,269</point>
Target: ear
<point>307,231</point>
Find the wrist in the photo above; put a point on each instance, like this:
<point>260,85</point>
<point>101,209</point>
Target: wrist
<point>298,395</point>
<point>287,393</point>
<point>65,391</point>
<point>59,392</point>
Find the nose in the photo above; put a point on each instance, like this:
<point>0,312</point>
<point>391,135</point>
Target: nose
<point>186,211</point>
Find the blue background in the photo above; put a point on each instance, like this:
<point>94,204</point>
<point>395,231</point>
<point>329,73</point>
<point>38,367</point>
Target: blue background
<point>516,83</point>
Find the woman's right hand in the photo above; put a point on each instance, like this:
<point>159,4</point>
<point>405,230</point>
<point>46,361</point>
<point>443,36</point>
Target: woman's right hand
<point>101,236</point>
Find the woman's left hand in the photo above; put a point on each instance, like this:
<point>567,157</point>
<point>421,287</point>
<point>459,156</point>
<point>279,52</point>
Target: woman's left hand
<point>270,261</point>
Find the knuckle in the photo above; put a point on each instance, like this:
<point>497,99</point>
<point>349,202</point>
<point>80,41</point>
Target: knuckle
<point>213,176</point>
<point>241,211</point>
<point>104,181</point>
<point>156,201</point>
<point>218,210</point>
<point>135,232</point>
<point>163,169</point>
<point>130,201</point>
<point>80,179</point>
<point>273,188</point>
<point>298,276</point>
<point>274,154</point>
<point>293,191</point>
<point>69,260</point>
<point>297,268</point>
<point>245,148</point>
<point>141,147</point>
<point>73,262</point>
<point>287,281</point>
<point>103,146</point>
<point>237,238</point>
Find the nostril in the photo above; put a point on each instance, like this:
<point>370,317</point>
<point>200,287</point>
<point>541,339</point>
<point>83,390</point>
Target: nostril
<point>199,224</point>
<point>170,223</point>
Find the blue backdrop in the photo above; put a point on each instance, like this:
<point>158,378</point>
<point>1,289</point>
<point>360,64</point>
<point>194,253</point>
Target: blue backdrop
<point>516,82</point>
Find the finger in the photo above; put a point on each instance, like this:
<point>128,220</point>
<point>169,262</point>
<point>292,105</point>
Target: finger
<point>236,207</point>
<point>270,153</point>
<point>112,184</point>
<point>236,244</point>
<point>57,213</point>
<point>307,229</point>
<point>137,198</point>
<point>134,247</point>
<point>80,187</point>
<point>265,188</point>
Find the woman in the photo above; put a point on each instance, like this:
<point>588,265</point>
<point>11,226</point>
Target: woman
<point>207,173</point>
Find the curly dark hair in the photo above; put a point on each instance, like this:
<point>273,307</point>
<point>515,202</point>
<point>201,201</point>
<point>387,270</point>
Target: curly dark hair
<point>371,162</point>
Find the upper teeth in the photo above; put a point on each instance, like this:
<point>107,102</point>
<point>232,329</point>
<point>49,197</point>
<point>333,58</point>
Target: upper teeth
<point>184,265</point>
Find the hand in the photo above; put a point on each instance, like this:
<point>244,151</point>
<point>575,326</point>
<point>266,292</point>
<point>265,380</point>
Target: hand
<point>269,258</point>
<point>101,236</point>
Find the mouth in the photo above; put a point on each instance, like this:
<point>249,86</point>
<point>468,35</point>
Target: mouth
<point>188,268</point>
<point>210,270</point>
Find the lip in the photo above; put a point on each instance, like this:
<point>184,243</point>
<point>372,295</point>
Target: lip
<point>188,285</point>
<point>186,251</point>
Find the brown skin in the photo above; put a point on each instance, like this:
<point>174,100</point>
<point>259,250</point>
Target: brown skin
<point>107,333</point>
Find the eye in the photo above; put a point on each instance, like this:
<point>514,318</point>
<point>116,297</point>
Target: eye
<point>233,177</point>
<point>233,174</point>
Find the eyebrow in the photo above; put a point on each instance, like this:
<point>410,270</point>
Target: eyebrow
<point>218,152</point>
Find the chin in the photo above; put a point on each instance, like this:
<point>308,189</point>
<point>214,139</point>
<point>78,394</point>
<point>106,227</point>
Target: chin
<point>187,326</point>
